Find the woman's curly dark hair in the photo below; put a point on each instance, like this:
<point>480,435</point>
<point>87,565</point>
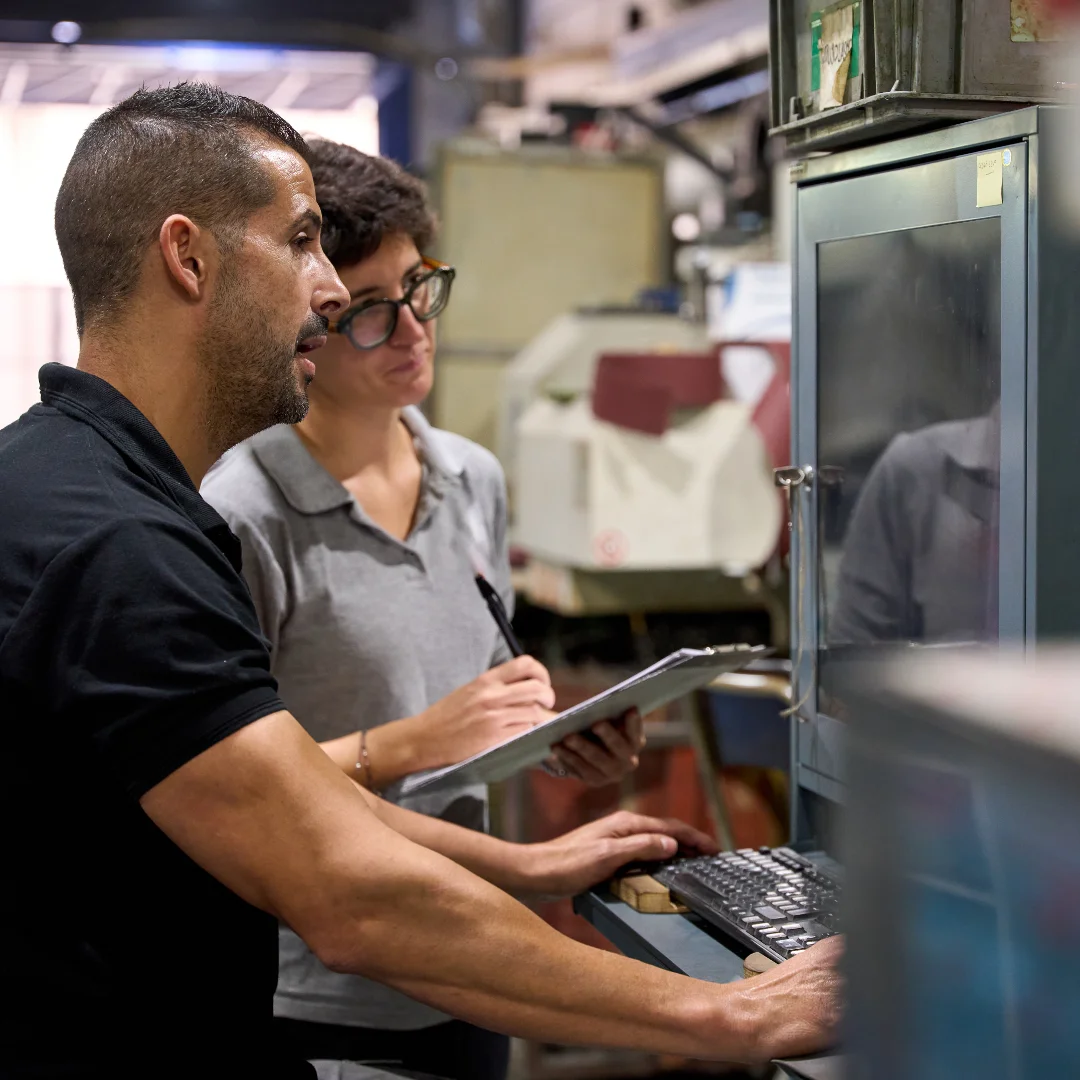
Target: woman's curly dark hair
<point>364,199</point>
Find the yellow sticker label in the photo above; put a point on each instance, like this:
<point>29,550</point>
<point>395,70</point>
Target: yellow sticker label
<point>988,179</point>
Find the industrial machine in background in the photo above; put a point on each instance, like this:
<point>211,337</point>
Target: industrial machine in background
<point>534,233</point>
<point>633,442</point>
<point>657,467</point>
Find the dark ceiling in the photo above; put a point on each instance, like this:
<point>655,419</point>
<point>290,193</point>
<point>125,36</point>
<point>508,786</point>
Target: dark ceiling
<point>366,25</point>
<point>374,14</point>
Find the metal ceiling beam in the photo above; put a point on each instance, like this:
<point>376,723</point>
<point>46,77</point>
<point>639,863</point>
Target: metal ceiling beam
<point>677,141</point>
<point>288,33</point>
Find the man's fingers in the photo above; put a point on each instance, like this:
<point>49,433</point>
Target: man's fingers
<point>830,951</point>
<point>521,667</point>
<point>635,728</point>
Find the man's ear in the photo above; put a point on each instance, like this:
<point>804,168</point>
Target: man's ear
<point>189,253</point>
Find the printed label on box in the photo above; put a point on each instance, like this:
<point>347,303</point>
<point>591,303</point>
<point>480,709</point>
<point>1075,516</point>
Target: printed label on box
<point>834,48</point>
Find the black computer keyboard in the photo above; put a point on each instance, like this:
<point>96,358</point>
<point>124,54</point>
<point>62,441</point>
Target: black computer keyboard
<point>776,901</point>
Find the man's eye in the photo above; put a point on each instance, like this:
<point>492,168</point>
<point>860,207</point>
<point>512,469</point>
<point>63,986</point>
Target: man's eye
<point>304,241</point>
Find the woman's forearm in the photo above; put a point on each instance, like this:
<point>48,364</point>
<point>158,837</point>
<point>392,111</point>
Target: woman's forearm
<point>394,751</point>
<point>502,863</point>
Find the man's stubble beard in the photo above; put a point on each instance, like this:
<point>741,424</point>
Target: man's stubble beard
<point>249,373</point>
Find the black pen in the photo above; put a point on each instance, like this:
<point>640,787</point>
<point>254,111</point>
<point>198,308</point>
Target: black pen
<point>498,613</point>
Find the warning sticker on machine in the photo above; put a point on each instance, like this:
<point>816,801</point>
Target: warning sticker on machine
<point>834,46</point>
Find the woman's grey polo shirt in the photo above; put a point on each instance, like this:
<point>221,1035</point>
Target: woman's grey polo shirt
<point>365,628</point>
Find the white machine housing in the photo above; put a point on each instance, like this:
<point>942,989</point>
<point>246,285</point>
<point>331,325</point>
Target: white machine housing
<point>593,495</point>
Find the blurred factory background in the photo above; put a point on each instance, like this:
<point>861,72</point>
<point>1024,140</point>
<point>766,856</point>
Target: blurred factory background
<point>621,222</point>
<point>619,332</point>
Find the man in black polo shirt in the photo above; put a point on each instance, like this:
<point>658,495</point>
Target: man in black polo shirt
<point>161,808</point>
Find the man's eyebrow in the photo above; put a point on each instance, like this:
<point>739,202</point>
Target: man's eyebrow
<point>308,217</point>
<point>371,289</point>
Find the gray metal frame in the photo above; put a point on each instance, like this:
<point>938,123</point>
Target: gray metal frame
<point>994,131</point>
<point>1053,381</point>
<point>930,180</point>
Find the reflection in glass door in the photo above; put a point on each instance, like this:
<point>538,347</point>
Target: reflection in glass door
<point>909,438</point>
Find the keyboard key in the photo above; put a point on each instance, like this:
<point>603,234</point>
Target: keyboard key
<point>749,919</point>
<point>769,913</point>
<point>773,935</point>
<point>798,913</point>
<point>792,926</point>
<point>789,943</point>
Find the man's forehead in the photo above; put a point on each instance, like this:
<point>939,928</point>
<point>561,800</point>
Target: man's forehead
<point>295,187</point>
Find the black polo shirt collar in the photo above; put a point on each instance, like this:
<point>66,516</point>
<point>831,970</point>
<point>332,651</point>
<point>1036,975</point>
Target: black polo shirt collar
<point>95,402</point>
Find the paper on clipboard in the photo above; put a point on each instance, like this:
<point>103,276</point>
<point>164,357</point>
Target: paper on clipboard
<point>673,677</point>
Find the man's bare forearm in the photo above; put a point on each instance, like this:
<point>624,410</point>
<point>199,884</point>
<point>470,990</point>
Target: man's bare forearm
<point>267,813</point>
<point>464,947</point>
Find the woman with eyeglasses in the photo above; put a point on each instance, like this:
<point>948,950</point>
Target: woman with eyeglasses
<point>363,528</point>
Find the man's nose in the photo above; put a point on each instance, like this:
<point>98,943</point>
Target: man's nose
<point>330,297</point>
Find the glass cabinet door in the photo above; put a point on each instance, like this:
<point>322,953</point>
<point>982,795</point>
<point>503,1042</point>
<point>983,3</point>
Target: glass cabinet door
<point>910,330</point>
<point>908,438</point>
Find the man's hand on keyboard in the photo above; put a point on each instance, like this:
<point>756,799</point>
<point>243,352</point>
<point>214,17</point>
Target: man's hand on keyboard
<point>576,860</point>
<point>795,1008</point>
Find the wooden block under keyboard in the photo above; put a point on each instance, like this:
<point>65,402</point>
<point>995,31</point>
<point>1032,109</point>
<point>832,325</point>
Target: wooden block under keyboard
<point>644,893</point>
<point>756,964</point>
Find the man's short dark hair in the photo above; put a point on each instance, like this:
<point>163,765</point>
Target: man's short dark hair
<point>186,149</point>
<point>364,199</point>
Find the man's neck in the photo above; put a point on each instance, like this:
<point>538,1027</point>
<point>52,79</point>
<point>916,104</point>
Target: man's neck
<point>349,440</point>
<point>167,395</point>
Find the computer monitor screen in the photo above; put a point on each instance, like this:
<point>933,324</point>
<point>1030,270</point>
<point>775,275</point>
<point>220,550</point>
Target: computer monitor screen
<point>908,441</point>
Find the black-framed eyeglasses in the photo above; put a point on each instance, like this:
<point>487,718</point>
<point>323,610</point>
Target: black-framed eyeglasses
<point>372,323</point>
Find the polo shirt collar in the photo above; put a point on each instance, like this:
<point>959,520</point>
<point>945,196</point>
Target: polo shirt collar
<point>310,489</point>
<point>95,402</point>
<point>305,484</point>
<point>439,454</point>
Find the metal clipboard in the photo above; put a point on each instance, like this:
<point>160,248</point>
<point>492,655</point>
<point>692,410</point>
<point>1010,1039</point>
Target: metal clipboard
<point>678,674</point>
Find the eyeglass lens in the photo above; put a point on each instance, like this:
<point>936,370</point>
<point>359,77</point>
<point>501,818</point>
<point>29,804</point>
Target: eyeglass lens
<point>375,323</point>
